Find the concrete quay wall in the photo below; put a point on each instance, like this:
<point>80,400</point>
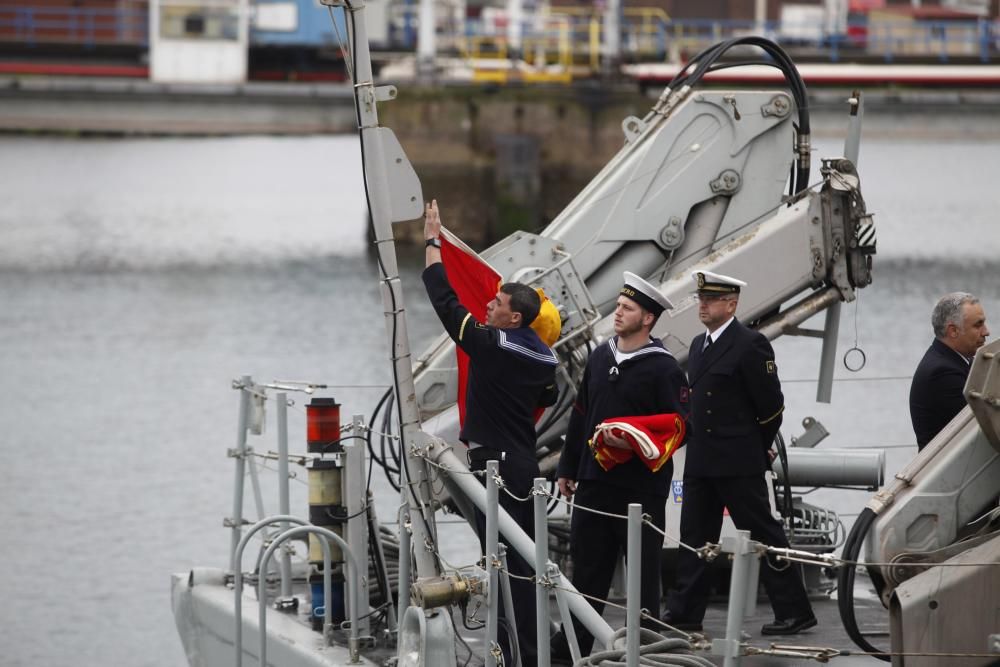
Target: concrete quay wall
<point>497,159</point>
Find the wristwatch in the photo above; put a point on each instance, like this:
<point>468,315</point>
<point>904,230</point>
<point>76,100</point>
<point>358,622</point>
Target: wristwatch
<point>435,242</point>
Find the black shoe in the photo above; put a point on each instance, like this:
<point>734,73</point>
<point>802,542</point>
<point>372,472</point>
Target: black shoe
<point>680,624</point>
<point>789,626</point>
<point>559,649</point>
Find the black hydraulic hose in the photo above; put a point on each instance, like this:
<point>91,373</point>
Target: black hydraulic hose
<point>705,61</point>
<point>558,410</point>
<point>845,582</point>
<point>381,573</point>
<point>371,423</point>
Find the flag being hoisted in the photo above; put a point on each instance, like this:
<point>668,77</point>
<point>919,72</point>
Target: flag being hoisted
<point>476,284</point>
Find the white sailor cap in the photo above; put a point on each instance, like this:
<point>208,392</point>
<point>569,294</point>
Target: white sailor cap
<point>715,283</point>
<point>644,294</point>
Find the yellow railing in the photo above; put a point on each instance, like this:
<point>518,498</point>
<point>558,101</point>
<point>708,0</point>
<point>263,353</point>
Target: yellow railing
<point>570,38</point>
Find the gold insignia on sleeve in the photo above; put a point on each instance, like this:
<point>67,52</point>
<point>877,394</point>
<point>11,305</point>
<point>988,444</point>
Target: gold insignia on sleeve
<point>764,421</point>
<point>771,367</point>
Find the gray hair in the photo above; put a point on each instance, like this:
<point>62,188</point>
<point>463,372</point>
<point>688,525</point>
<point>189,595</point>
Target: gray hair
<point>949,311</point>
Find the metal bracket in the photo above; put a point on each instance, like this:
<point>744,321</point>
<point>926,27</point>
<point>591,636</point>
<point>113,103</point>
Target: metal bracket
<point>672,235</point>
<point>814,434</point>
<point>385,93</point>
<point>633,127</point>
<point>728,182</point>
<point>779,106</point>
<point>842,173</point>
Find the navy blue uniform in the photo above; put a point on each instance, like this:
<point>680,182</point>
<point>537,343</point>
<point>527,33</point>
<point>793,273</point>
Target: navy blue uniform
<point>649,383</point>
<point>511,374</point>
<point>736,406</point>
<point>936,392</point>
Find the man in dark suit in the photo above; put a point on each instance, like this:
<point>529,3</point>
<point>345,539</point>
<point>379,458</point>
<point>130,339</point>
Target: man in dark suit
<point>959,325</point>
<point>736,406</point>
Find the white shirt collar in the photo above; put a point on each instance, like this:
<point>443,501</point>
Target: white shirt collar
<point>718,332</point>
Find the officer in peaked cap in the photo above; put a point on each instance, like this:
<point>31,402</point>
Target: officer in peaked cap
<point>736,406</point>
<point>631,374</point>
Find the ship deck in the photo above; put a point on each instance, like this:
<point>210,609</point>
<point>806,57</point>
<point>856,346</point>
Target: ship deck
<point>829,633</point>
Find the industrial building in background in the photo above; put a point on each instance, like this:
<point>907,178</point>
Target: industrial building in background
<point>231,41</point>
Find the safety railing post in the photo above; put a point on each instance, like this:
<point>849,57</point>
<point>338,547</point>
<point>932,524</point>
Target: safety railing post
<point>541,566</point>
<point>741,585</point>
<point>492,498</point>
<point>246,386</point>
<point>633,602</point>
<point>286,602</point>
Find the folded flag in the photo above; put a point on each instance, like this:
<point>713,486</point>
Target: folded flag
<point>653,438</point>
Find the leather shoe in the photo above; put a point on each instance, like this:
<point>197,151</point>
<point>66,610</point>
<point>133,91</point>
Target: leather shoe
<point>559,647</point>
<point>789,626</point>
<point>680,624</point>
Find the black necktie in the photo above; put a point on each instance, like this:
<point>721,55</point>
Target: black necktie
<point>708,344</point>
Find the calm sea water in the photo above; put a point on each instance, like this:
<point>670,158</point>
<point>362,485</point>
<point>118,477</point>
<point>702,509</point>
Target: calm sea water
<point>138,277</point>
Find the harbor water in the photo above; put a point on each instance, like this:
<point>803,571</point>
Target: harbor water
<point>138,277</point>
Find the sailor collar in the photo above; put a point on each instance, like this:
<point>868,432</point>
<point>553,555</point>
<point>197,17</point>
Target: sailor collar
<point>525,342</point>
<point>654,346</point>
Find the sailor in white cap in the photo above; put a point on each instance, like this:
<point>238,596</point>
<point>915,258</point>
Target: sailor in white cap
<point>736,406</point>
<point>629,375</point>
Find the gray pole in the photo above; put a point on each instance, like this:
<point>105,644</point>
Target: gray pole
<point>426,38</point>
<point>357,523</point>
<point>760,16</point>
<point>284,602</point>
<point>541,561</point>
<point>612,47</point>
<point>415,489</point>
<point>508,600</point>
<point>852,143</point>
<point>491,555</point>
<point>404,568</point>
<point>241,448</point>
<point>634,587</point>
<point>828,354</point>
<point>739,585</point>
<point>514,20</point>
